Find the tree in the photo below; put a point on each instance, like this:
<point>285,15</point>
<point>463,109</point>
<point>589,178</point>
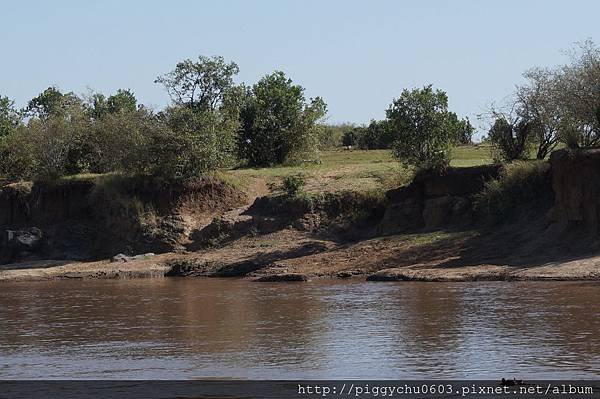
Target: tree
<point>202,84</point>
<point>352,135</point>
<point>42,149</point>
<point>201,141</point>
<point>463,128</point>
<point>511,140</point>
<point>123,101</point>
<point>578,93</point>
<point>538,102</point>
<point>423,128</point>
<point>332,135</point>
<point>203,121</point>
<point>10,118</point>
<point>118,142</point>
<point>278,124</point>
<point>374,136</point>
<point>51,102</point>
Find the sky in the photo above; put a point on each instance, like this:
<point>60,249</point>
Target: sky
<point>357,55</point>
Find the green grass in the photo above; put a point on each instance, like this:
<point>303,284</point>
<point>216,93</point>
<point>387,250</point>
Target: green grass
<point>357,170</point>
<point>339,170</point>
<point>471,155</point>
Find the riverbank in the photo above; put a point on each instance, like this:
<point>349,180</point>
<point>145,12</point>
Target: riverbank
<point>298,256</point>
<point>539,223</point>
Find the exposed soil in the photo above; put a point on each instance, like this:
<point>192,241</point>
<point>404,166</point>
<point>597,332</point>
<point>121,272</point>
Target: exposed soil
<point>422,232</point>
<point>433,256</point>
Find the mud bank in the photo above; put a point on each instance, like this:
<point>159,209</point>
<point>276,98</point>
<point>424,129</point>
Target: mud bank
<point>170,266</point>
<point>427,231</point>
<point>98,217</point>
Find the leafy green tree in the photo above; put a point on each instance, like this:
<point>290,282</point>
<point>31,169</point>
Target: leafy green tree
<point>352,136</point>
<point>123,101</point>
<point>463,128</point>
<point>17,155</point>
<point>374,136</point>
<point>118,141</point>
<point>10,118</point>
<point>52,142</point>
<point>203,122</point>
<point>278,124</point>
<point>203,141</point>
<point>331,135</point>
<point>44,148</point>
<point>423,128</point>
<point>51,102</point>
<point>97,105</point>
<point>201,84</point>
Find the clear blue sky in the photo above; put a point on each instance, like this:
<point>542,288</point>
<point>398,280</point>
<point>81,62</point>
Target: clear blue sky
<point>357,55</point>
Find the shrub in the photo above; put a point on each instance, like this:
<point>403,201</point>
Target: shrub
<point>523,186</point>
<point>293,184</point>
<point>351,136</point>
<point>17,156</point>
<point>117,142</point>
<point>193,142</point>
<point>511,141</point>
<point>376,135</point>
<point>10,118</point>
<point>422,127</point>
<point>44,149</point>
<point>278,124</point>
<point>332,136</point>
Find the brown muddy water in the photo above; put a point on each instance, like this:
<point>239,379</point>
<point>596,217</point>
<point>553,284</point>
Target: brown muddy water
<point>215,328</point>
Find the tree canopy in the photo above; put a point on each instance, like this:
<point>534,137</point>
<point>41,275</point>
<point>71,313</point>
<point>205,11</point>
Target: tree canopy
<point>10,117</point>
<point>423,128</point>
<point>200,84</point>
<point>278,124</point>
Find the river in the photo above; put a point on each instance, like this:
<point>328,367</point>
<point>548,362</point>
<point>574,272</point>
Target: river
<point>177,328</point>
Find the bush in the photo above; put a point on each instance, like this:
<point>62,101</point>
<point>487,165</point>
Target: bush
<point>332,136</point>
<point>292,185</point>
<point>523,186</point>
<point>423,128</point>
<point>17,156</point>
<point>278,125</point>
<point>193,142</point>
<point>376,135</point>
<point>44,149</point>
<point>351,136</point>
<point>10,118</point>
<point>511,141</point>
<point>118,142</point>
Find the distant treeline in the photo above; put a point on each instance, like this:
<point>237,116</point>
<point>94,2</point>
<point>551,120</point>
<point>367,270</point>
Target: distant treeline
<point>378,135</point>
<point>214,123</point>
<point>211,123</point>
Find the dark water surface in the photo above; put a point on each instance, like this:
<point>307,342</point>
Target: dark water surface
<point>204,328</point>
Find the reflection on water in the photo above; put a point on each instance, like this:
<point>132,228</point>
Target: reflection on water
<point>194,328</point>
